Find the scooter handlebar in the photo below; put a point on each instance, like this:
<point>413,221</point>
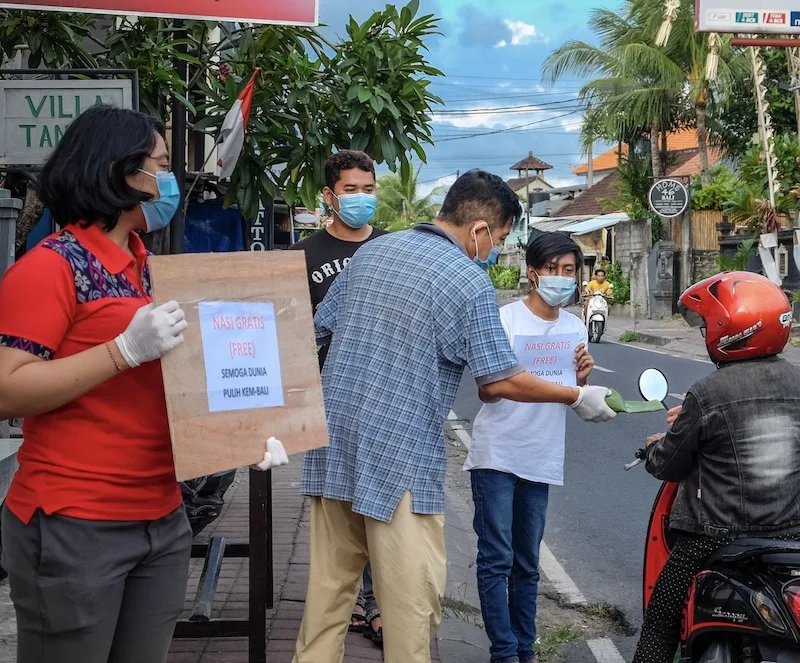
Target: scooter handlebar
<point>641,456</point>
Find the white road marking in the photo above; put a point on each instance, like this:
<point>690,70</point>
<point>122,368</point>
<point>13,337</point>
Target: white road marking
<point>659,352</point>
<point>680,397</point>
<point>605,651</point>
<point>602,649</point>
<point>559,578</point>
<point>459,431</point>
<point>603,370</point>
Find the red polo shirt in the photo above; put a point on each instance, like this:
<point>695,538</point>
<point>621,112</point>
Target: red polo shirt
<point>107,454</point>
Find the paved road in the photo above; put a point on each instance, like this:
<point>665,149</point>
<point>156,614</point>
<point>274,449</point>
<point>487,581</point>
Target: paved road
<point>596,523</point>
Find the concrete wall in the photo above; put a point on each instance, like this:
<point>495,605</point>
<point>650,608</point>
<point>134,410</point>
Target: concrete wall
<point>633,241</point>
<point>705,263</point>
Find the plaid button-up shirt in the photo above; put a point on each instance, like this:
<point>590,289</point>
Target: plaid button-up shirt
<point>407,315</point>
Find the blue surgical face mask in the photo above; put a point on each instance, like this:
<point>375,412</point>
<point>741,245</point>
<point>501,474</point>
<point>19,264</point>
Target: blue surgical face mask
<point>158,213</point>
<point>556,290</point>
<point>494,252</point>
<point>356,209</point>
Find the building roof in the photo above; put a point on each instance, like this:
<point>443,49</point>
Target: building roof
<point>518,183</point>
<point>596,223</point>
<point>684,163</point>
<point>589,203</point>
<point>691,167</point>
<point>531,163</point>
<point>677,141</point>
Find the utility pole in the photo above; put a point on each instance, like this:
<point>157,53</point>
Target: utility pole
<point>590,167</point>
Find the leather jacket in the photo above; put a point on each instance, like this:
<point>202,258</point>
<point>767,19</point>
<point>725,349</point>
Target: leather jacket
<point>735,449</point>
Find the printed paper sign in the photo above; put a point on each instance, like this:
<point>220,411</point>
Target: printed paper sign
<point>550,358</point>
<point>240,350</point>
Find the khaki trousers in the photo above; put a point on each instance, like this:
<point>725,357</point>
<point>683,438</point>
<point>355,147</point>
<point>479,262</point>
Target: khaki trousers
<point>408,573</point>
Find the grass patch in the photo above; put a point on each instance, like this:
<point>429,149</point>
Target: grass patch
<point>628,337</point>
<point>794,342</point>
<point>552,639</point>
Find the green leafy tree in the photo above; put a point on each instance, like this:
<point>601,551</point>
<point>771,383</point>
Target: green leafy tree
<point>369,91</point>
<point>733,122</point>
<point>719,189</point>
<point>371,94</point>
<point>399,203</point>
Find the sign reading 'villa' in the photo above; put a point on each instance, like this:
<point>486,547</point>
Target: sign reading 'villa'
<point>34,114</point>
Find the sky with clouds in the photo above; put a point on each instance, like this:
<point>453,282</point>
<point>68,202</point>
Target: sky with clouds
<point>492,53</point>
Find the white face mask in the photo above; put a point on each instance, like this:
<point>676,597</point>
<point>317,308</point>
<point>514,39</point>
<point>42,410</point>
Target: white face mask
<point>555,290</point>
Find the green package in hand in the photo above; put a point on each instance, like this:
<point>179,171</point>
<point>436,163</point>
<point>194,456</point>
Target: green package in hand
<point>619,404</point>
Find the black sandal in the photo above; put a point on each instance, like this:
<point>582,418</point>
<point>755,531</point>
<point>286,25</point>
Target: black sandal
<point>361,622</point>
<point>370,633</point>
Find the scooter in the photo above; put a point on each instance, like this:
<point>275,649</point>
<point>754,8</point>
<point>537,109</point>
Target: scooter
<point>744,607</point>
<point>596,315</point>
<point>203,498</point>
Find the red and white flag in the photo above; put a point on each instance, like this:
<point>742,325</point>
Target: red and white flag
<point>231,135</point>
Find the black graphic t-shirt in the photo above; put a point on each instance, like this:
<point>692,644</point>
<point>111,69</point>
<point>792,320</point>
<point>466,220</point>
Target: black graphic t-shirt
<point>326,257</point>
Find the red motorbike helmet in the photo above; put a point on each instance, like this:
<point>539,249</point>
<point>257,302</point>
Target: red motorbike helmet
<point>742,315</point>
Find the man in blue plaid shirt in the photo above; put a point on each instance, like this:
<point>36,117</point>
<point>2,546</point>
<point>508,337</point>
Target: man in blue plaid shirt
<point>410,312</point>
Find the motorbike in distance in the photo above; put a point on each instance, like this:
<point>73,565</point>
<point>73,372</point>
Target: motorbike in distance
<point>596,312</point>
<point>744,606</point>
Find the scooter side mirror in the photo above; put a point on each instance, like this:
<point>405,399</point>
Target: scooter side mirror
<point>653,385</point>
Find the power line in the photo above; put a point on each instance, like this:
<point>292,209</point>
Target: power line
<point>507,78</point>
<point>506,109</point>
<point>508,129</point>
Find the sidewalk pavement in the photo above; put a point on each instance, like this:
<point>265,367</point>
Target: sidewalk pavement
<point>673,335</point>
<point>291,559</point>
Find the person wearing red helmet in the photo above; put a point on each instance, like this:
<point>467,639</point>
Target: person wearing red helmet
<point>734,444</point>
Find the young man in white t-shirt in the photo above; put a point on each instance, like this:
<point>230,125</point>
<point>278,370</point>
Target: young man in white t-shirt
<point>518,449</point>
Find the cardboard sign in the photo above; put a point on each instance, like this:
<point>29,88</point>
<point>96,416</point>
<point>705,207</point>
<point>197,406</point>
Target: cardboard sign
<point>248,368</point>
<point>283,12</point>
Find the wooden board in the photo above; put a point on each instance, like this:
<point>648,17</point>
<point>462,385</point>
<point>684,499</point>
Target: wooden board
<point>205,442</point>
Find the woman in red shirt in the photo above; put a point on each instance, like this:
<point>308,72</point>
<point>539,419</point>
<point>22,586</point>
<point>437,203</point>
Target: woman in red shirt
<point>95,538</point>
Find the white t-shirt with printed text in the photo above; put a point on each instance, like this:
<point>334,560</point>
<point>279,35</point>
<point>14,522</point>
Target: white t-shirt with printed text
<point>528,439</point>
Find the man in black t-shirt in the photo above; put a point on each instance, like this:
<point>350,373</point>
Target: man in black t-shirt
<point>350,191</point>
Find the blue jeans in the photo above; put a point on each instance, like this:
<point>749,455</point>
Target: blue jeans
<point>509,521</point>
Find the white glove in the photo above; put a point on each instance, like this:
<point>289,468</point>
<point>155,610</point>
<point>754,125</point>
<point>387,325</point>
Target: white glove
<point>591,404</point>
<point>152,333</point>
<point>275,456</point>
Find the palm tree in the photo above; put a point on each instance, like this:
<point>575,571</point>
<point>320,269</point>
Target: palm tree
<point>639,85</point>
<point>636,89</point>
<point>692,51</point>
<point>399,204</point>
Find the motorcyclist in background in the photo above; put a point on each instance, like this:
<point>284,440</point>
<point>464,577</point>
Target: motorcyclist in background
<point>734,444</point>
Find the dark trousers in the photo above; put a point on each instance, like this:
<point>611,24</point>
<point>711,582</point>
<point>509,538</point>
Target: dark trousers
<point>366,597</point>
<point>509,521</point>
<point>95,591</point>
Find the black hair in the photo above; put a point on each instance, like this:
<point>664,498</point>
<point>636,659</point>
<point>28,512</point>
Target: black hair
<point>346,160</point>
<point>84,180</point>
<point>480,196</point>
<point>599,270</point>
<point>551,245</point>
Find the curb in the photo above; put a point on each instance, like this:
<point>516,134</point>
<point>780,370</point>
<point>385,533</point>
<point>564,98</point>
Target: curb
<point>654,339</point>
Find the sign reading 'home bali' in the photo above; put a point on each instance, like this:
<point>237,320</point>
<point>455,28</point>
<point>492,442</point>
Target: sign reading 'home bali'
<point>668,198</point>
<point>34,114</point>
<point>285,12</point>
